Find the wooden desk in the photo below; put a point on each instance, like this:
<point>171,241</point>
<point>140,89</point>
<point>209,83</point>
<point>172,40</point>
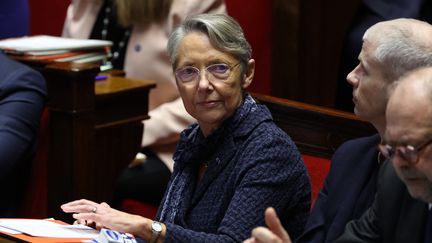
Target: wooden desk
<point>95,130</point>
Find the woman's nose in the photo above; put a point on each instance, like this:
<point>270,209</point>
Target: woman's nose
<point>204,82</point>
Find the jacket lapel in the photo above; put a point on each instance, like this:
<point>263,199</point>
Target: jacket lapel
<point>215,166</point>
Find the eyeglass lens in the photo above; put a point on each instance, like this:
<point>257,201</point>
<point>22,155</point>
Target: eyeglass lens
<point>407,152</point>
<point>219,72</point>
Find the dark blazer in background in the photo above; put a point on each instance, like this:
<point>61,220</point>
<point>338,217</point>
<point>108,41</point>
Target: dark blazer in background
<point>14,18</point>
<point>395,217</point>
<point>348,190</point>
<point>22,99</point>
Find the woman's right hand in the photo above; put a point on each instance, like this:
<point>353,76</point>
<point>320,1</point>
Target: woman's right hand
<point>103,216</point>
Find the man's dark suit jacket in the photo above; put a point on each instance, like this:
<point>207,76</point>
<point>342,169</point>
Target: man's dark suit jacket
<point>22,99</point>
<point>395,217</point>
<point>349,189</point>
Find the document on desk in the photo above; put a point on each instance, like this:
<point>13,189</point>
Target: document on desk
<point>47,228</point>
<point>10,231</point>
<point>35,45</point>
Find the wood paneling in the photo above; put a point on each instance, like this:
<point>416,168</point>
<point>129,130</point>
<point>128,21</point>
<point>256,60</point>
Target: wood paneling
<point>316,130</point>
<point>307,39</point>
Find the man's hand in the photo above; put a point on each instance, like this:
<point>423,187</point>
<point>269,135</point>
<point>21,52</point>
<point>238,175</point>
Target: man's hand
<point>275,233</point>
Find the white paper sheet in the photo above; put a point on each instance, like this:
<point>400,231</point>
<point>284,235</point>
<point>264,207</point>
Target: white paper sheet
<point>43,43</point>
<point>46,228</point>
<point>6,230</point>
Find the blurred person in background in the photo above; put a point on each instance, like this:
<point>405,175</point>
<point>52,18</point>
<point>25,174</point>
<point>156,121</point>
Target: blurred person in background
<point>22,99</point>
<point>14,18</point>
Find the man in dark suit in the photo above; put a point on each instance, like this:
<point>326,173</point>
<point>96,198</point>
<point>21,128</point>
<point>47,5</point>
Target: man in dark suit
<point>22,99</point>
<point>390,49</point>
<point>399,212</point>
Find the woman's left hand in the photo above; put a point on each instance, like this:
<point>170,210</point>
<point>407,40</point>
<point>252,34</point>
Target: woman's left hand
<point>103,216</point>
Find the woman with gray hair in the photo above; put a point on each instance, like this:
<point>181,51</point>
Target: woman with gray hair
<point>229,166</point>
<point>139,30</point>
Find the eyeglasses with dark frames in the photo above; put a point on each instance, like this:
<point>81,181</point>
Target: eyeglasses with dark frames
<point>407,152</point>
<point>214,73</point>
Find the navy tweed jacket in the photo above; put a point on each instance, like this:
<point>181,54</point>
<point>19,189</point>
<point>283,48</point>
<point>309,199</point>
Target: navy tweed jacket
<point>252,164</point>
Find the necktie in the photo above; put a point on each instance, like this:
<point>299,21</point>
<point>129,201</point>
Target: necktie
<point>428,229</point>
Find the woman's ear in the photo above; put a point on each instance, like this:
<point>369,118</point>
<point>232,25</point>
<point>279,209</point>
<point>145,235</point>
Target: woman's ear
<point>249,74</point>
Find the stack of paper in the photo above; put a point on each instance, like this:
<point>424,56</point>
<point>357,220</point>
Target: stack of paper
<point>60,49</point>
<point>46,228</point>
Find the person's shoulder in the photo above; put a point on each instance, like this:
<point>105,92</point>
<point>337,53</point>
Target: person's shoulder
<point>180,9</point>
<point>259,130</point>
<point>267,145</point>
<point>9,64</point>
<point>361,143</point>
<point>197,5</point>
<point>273,143</point>
<point>5,61</point>
<point>187,7</point>
<point>360,153</point>
<point>268,130</point>
<point>13,73</point>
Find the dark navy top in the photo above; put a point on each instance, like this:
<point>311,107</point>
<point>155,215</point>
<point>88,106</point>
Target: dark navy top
<point>22,99</point>
<point>252,164</point>
<point>14,18</point>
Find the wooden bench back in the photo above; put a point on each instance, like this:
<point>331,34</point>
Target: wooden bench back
<point>316,130</point>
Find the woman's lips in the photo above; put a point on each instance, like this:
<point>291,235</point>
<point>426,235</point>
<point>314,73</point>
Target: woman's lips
<point>210,103</point>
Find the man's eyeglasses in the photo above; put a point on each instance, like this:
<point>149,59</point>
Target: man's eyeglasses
<point>407,152</point>
<point>214,73</point>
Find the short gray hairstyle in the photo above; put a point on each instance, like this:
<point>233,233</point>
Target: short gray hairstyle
<point>224,32</point>
<point>401,46</point>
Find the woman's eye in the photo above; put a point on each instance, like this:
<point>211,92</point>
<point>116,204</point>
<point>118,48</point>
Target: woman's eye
<point>218,68</point>
<point>188,70</point>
